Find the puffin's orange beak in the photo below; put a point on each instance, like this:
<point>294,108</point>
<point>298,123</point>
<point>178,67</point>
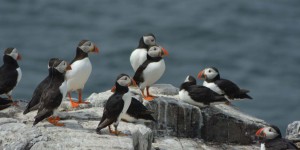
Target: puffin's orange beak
<point>113,89</point>
<point>68,68</point>
<point>201,75</point>
<point>96,49</point>
<point>165,52</point>
<point>19,57</point>
<point>260,133</point>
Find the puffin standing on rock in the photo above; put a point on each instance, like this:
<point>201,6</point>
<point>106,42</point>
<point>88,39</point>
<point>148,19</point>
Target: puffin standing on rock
<point>271,139</point>
<point>35,100</point>
<point>151,70</point>
<point>224,87</point>
<point>10,72</point>
<point>117,104</point>
<point>53,95</point>
<point>139,55</point>
<point>81,70</point>
<point>198,95</point>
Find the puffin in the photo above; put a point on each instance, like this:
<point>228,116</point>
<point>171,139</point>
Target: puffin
<point>151,70</point>
<point>53,95</point>
<point>221,86</point>
<point>199,95</point>
<point>271,139</point>
<point>33,103</point>
<point>117,104</point>
<point>5,103</point>
<point>10,72</point>
<point>81,70</point>
<point>139,55</point>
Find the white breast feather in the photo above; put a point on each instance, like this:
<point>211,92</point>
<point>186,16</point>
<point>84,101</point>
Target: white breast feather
<point>77,77</point>
<point>19,75</point>
<point>63,88</point>
<point>153,73</point>
<point>213,87</point>
<point>127,101</point>
<point>138,57</point>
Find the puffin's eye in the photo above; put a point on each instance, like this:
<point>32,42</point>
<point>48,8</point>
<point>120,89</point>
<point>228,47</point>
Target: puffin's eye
<point>209,71</point>
<point>152,40</point>
<point>270,130</point>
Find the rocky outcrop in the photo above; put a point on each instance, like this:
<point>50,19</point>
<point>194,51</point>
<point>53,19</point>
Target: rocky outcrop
<point>293,132</point>
<point>220,123</point>
<point>179,126</point>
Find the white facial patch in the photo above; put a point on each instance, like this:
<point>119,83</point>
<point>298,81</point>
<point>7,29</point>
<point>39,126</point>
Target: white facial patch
<point>187,79</point>
<point>155,51</point>
<point>210,73</point>
<point>149,40</point>
<point>270,133</point>
<point>62,67</point>
<point>87,46</point>
<point>124,81</point>
<point>14,54</point>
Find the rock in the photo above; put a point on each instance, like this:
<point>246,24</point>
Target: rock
<point>174,143</point>
<point>292,131</point>
<point>179,126</point>
<point>175,118</point>
<point>225,124</point>
<point>163,89</point>
<point>78,132</point>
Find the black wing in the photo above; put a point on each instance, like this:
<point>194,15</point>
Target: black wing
<point>138,76</point>
<point>139,111</point>
<point>230,89</point>
<point>204,95</point>
<point>35,100</point>
<point>112,110</point>
<point>8,79</point>
<point>51,98</point>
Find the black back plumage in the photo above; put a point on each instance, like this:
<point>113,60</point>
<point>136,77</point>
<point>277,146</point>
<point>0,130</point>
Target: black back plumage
<point>8,74</point>
<point>200,93</point>
<point>113,106</point>
<point>231,89</point>
<point>36,96</point>
<point>138,76</point>
<point>51,97</point>
<point>139,111</point>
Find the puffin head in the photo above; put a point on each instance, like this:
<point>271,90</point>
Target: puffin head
<point>268,133</point>
<point>157,51</point>
<point>147,40</point>
<point>12,52</point>
<point>209,73</point>
<point>88,46</point>
<point>53,62</point>
<point>125,81</point>
<point>191,80</point>
<point>62,67</point>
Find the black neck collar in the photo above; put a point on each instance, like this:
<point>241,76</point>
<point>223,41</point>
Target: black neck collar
<point>8,60</point>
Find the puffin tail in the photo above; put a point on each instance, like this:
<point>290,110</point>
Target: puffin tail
<point>26,111</point>
<point>243,94</point>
